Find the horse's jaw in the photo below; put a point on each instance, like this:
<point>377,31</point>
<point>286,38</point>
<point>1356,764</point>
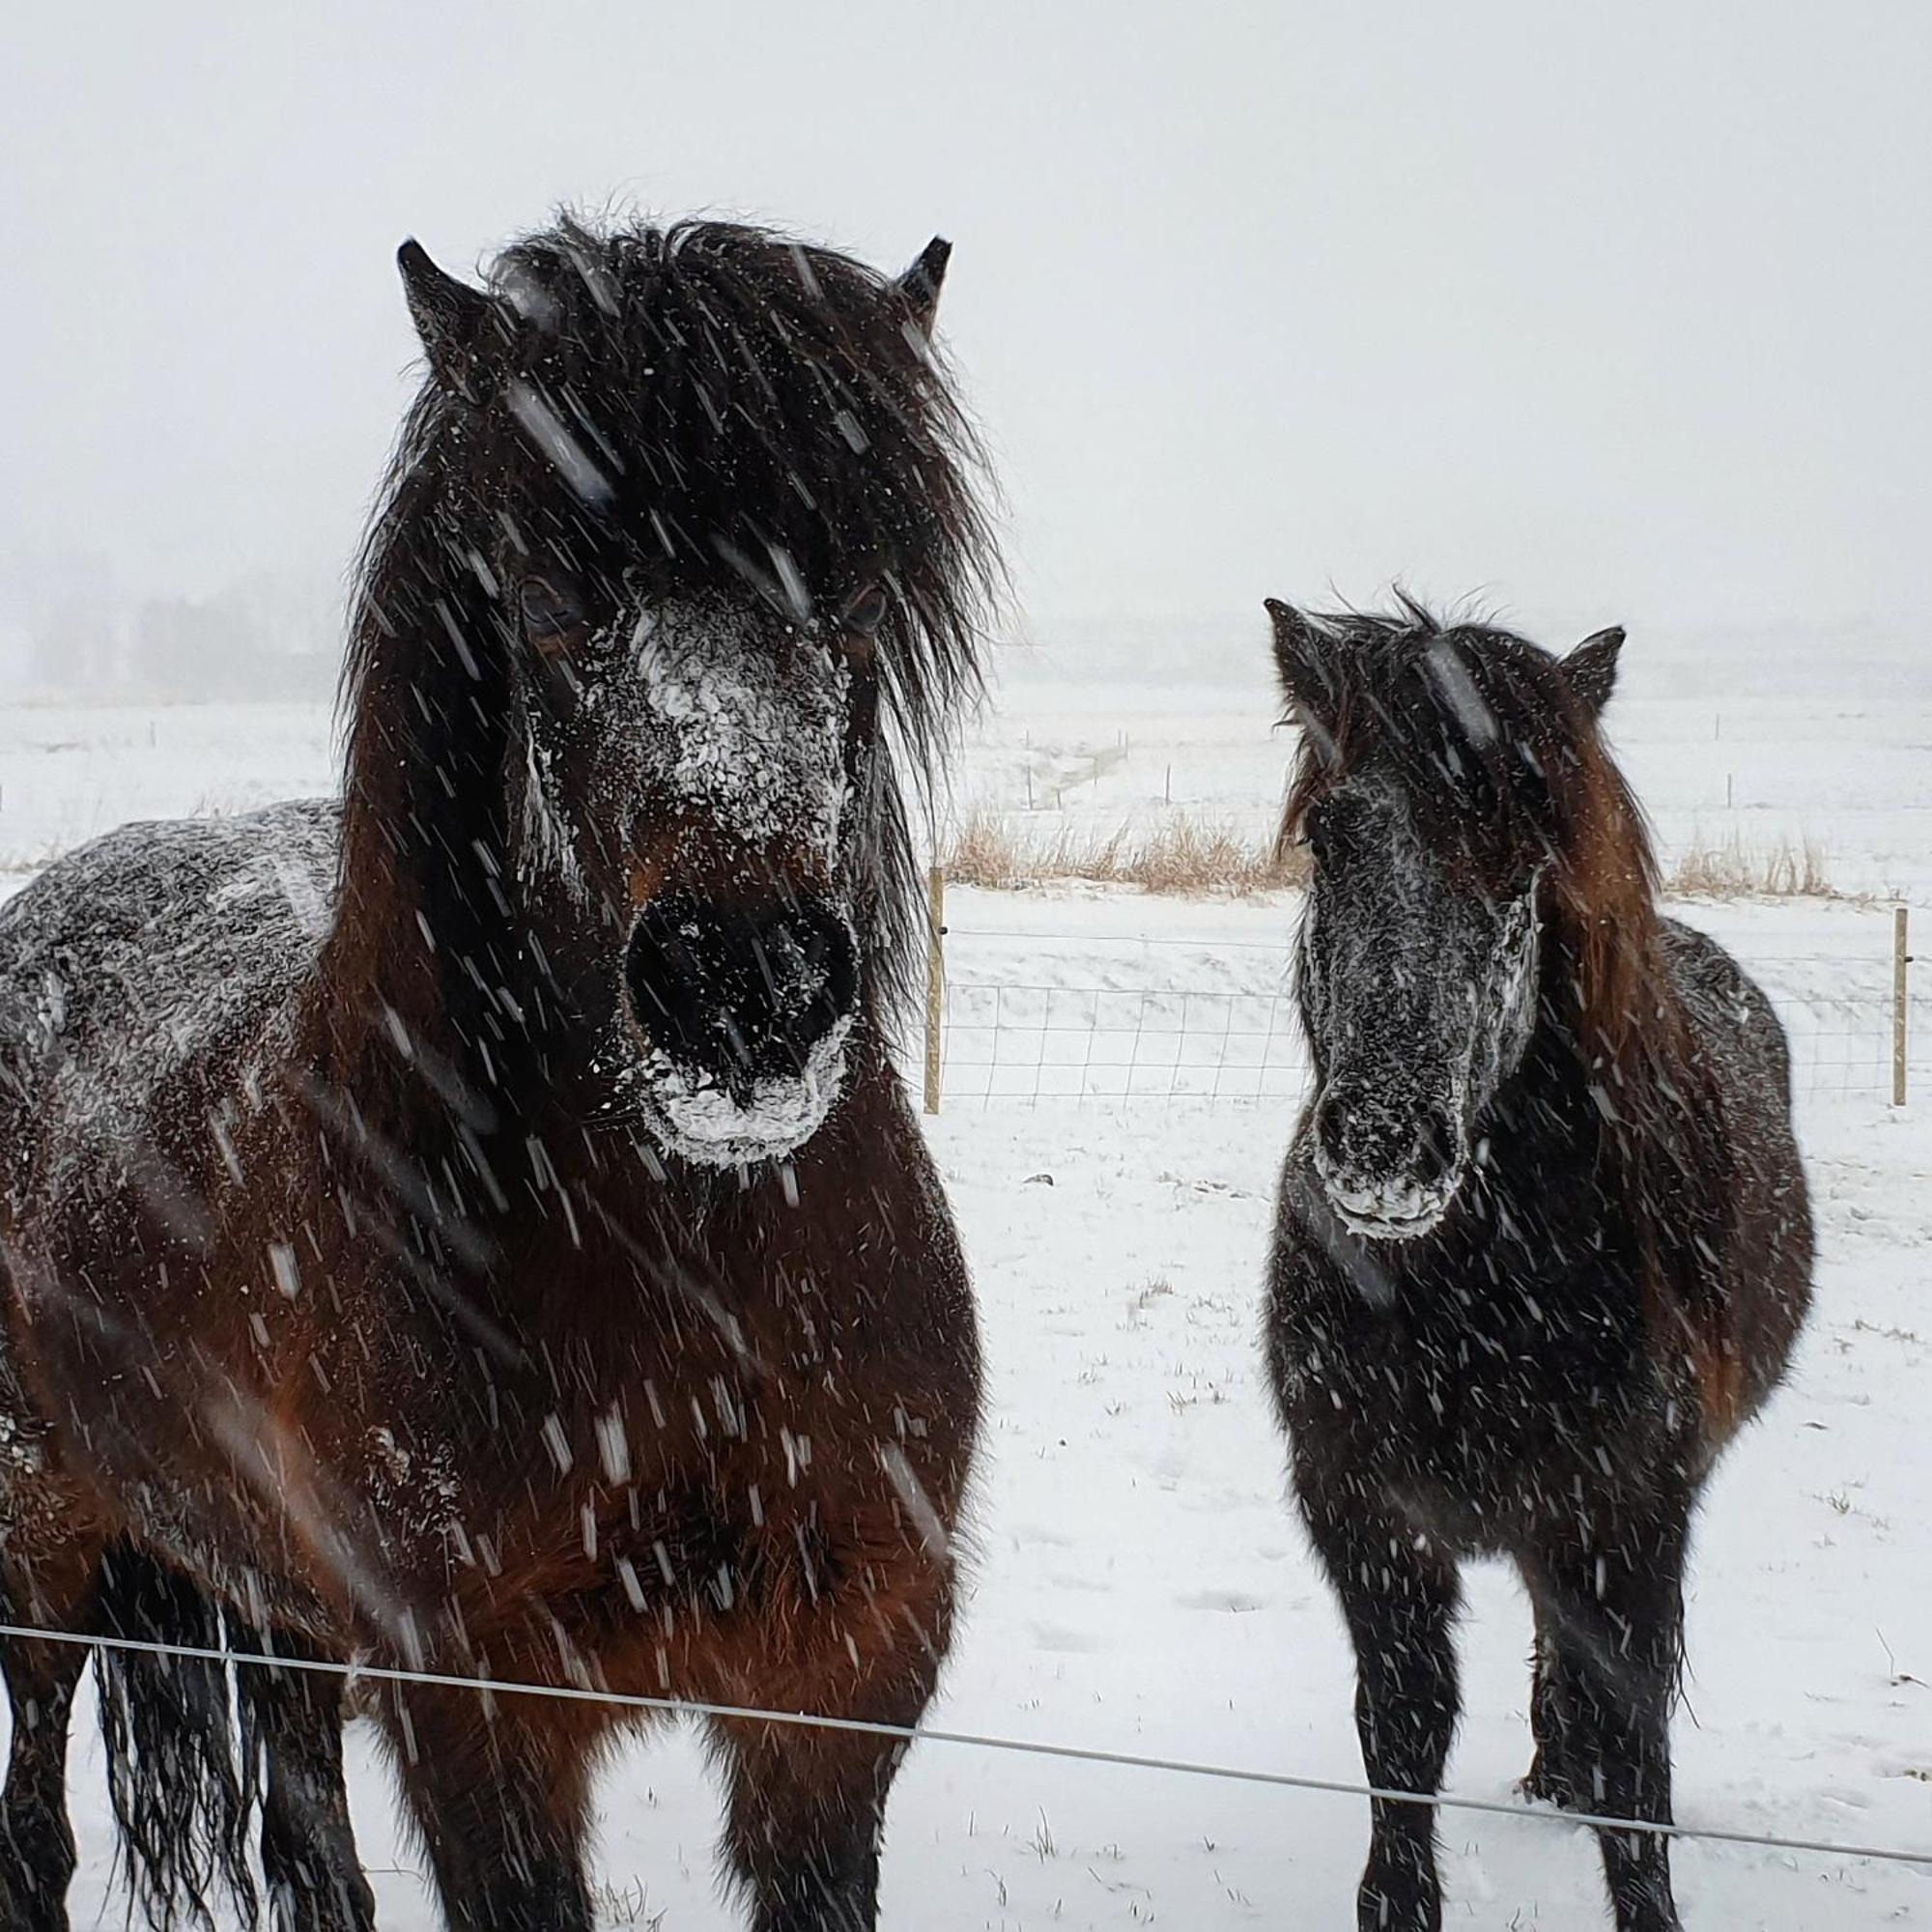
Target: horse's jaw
<point>693,1117</point>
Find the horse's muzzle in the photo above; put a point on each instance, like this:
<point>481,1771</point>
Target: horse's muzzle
<point>740,994</point>
<point>1389,1170</point>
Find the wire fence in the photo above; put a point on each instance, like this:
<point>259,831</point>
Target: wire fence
<point>1034,1043</point>
<point>1851,1029</point>
<point>496,1687</point>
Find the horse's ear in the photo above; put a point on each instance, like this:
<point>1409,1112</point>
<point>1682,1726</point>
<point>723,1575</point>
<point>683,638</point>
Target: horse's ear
<point>921,283</point>
<point>1303,660</point>
<point>459,325</point>
<point>1592,668</point>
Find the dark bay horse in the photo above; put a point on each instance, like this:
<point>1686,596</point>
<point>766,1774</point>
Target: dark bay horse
<point>1541,1244</point>
<point>476,1227</point>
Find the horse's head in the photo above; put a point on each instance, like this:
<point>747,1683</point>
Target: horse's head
<point>690,514</point>
<point>1455,799</point>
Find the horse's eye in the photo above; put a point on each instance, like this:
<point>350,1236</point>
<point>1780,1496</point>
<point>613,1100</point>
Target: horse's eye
<point>554,611</point>
<point>1327,824</point>
<point>864,611</point>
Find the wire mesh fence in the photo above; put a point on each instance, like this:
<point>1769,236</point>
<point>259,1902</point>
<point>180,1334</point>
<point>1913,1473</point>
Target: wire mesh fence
<point>1004,1041</point>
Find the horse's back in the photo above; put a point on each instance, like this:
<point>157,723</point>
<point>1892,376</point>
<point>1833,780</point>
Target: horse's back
<point>145,950</point>
<point>1765,1259</point>
<point>1740,1041</point>
<point>1729,1015</point>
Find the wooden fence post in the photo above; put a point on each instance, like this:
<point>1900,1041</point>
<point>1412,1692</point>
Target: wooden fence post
<point>1901,958</point>
<point>935,981</point>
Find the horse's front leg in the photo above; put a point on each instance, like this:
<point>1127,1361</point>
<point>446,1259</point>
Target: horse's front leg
<point>806,1806</point>
<point>498,1792</point>
<point>1550,1779</point>
<point>37,1854</point>
<point>293,1718</point>
<point>1400,1604</point>
<point>49,1578</point>
<point>1612,1606</point>
<point>805,1819</point>
<point>47,1582</point>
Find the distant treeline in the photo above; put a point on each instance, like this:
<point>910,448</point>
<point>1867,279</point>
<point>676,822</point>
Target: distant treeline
<point>74,631</point>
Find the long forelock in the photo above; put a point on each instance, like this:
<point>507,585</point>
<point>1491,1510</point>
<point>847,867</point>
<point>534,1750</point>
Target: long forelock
<point>779,422</point>
<point>771,414</point>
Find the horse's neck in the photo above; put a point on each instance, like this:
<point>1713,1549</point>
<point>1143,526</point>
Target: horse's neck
<point>423,939</point>
<point>1579,1091</point>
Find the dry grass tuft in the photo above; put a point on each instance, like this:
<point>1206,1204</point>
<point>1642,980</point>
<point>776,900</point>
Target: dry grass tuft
<point>626,1905</point>
<point>1735,871</point>
<point>1182,857</point>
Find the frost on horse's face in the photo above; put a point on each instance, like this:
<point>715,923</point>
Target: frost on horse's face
<point>682,644</point>
<point>1421,995</point>
<point>1426,801</point>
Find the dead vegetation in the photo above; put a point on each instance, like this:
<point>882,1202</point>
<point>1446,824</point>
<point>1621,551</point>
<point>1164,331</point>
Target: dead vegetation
<point>1735,871</point>
<point>1182,857</point>
<point>1186,857</point>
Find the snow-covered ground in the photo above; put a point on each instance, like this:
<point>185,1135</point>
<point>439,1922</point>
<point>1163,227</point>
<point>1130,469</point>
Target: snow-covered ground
<point>1140,1585</point>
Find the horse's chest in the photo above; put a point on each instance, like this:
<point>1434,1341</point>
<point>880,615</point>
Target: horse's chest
<point>637,1445</point>
<point>1465,1410</point>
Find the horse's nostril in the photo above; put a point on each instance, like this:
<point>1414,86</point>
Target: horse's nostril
<point>1369,1139</point>
<point>741,993</point>
<point>1359,1132</point>
<point>832,956</point>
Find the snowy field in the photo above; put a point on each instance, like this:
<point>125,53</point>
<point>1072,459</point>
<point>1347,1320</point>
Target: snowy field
<point>1140,1585</point>
<point>1756,739</point>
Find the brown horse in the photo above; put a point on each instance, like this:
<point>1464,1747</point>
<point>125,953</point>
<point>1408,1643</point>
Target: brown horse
<point>477,1228</point>
<point>1542,1244</point>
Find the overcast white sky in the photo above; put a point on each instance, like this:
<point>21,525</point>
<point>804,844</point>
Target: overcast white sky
<point>1620,311</point>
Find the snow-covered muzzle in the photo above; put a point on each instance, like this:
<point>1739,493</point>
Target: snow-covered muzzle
<point>685,785</point>
<point>745,1012</point>
<point>1419,995</point>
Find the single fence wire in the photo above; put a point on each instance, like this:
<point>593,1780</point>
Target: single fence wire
<point>489,1687</point>
<point>1035,1038</point>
